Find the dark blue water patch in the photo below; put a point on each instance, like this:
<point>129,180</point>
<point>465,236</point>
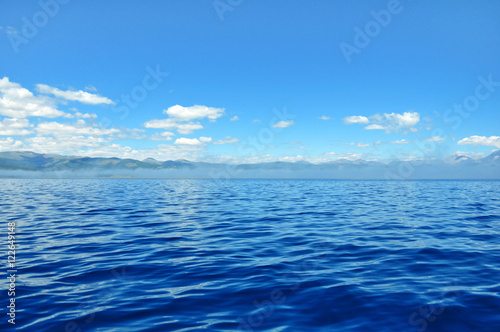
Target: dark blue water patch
<point>487,217</point>
<point>255,255</point>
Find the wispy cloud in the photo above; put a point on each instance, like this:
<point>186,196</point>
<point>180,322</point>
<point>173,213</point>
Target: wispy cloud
<point>8,30</point>
<point>434,139</point>
<point>171,124</point>
<point>164,136</point>
<point>401,141</point>
<point>375,127</point>
<point>80,96</point>
<point>78,128</point>
<point>283,124</point>
<point>226,140</point>
<point>341,156</point>
<point>356,119</point>
<point>361,145</point>
<point>85,115</point>
<point>473,155</point>
<point>324,117</point>
<point>66,144</point>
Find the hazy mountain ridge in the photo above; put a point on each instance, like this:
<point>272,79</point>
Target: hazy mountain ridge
<point>30,164</point>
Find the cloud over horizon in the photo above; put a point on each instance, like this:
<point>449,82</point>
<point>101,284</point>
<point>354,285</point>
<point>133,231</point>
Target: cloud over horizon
<point>390,122</point>
<point>481,140</point>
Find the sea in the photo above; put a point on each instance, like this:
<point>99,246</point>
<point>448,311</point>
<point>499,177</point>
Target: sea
<point>250,255</point>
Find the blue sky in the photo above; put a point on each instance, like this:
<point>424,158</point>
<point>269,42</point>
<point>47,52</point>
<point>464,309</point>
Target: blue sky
<point>247,81</point>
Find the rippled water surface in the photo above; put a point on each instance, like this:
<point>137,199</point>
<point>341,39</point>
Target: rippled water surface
<point>254,255</point>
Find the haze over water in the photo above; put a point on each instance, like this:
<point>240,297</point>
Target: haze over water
<point>255,255</point>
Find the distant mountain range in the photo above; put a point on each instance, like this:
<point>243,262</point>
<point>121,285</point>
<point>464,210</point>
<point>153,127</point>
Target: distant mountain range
<point>23,164</point>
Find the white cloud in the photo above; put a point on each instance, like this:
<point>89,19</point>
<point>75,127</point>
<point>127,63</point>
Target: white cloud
<point>374,127</point>
<point>390,122</point>
<point>348,156</point>
<point>473,155</point>
<point>79,128</point>
<point>14,127</point>
<point>9,144</point>
<point>434,139</point>
<point>164,136</point>
<point>170,124</point>
<point>179,117</point>
<point>324,117</point>
<point>181,113</point>
<point>68,138</point>
<point>112,150</point>
<point>10,30</point>
<point>187,141</point>
<point>67,144</point>
<point>18,102</point>
<point>81,96</point>
<point>356,119</point>
<point>234,118</point>
<point>402,141</point>
<point>227,140</point>
<point>162,124</point>
<point>405,120</point>
<point>136,133</point>
<point>187,128</point>
<point>292,159</point>
<point>193,141</point>
<point>161,152</point>
<point>85,115</point>
<point>157,137</point>
<point>332,156</point>
<point>205,139</point>
<point>394,122</point>
<point>481,140</point>
<point>283,124</point>
<point>361,145</point>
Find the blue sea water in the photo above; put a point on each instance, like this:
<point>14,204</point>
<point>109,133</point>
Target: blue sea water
<point>253,255</point>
